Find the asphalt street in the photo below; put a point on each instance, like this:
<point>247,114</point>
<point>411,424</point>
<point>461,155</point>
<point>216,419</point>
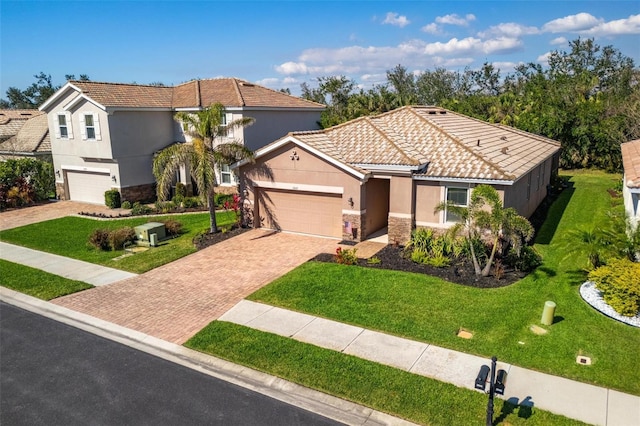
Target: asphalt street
<point>54,374</point>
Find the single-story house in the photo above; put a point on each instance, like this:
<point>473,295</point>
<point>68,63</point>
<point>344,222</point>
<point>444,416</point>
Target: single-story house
<point>631,180</point>
<point>391,171</point>
<point>24,133</point>
<point>105,135</point>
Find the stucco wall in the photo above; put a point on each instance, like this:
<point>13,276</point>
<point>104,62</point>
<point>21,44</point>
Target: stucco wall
<point>526,194</point>
<point>631,203</point>
<point>272,125</point>
<point>376,193</point>
<point>428,195</point>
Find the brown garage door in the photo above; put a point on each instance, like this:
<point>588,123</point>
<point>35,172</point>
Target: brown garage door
<point>304,212</point>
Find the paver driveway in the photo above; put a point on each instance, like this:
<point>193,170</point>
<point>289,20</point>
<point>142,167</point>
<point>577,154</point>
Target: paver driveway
<point>176,300</point>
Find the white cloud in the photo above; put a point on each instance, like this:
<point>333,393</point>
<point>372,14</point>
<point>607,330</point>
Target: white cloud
<point>544,59</point>
<point>431,28</point>
<point>508,29</point>
<point>393,18</point>
<point>471,45</point>
<point>454,19</point>
<point>572,23</point>
<point>630,25</point>
<point>292,68</point>
<point>559,40</point>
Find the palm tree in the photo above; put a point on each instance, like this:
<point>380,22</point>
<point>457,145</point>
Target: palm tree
<point>501,222</point>
<point>202,154</point>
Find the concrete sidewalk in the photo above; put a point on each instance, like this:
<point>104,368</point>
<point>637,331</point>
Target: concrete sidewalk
<point>576,400</point>
<point>63,266</point>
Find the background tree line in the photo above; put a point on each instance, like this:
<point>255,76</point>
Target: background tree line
<point>588,98</point>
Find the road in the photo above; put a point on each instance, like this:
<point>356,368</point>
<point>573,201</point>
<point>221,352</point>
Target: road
<point>54,374</point>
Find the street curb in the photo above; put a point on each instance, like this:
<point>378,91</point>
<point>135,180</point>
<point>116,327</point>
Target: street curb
<point>308,399</point>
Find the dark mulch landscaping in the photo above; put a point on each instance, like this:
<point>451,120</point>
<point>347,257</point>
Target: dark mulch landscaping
<point>460,272</point>
<point>206,240</point>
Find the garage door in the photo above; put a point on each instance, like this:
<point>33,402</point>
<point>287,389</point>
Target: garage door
<point>304,212</point>
<point>88,187</point>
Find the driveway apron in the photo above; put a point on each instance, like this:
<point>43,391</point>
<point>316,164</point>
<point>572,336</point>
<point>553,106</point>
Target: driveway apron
<point>175,301</point>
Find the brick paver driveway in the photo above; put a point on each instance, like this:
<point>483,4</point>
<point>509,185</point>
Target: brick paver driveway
<point>176,300</point>
<point>26,216</point>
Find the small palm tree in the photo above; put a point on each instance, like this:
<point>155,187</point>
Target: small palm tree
<point>202,154</point>
<point>499,221</point>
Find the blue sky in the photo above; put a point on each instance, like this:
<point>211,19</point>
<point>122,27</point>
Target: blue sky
<point>284,43</point>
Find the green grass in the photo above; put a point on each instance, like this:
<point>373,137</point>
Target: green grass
<point>37,283</point>
<point>415,398</point>
<point>69,237</point>
<point>428,309</point>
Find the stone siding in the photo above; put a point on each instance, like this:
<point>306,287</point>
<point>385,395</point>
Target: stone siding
<point>142,193</point>
<point>400,230</point>
<point>61,193</point>
<point>357,230</point>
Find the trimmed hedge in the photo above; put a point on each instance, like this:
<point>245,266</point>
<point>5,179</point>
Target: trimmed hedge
<point>619,282</point>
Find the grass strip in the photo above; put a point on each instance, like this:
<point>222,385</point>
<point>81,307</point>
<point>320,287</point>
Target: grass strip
<point>37,283</point>
<point>402,394</point>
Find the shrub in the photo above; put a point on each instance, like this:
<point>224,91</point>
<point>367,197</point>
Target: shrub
<point>165,206</point>
<point>181,190</point>
<point>100,239</point>
<point>112,198</point>
<point>346,256</point>
<point>191,202</point>
<point>118,237</point>
<point>173,227</point>
<point>374,260</point>
<point>140,209</point>
<point>419,256</point>
<point>220,199</point>
<point>438,261</point>
<point>126,204</point>
<point>37,175</point>
<point>620,286</point>
<point>526,261</point>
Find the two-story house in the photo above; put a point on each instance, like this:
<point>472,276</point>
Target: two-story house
<point>105,135</point>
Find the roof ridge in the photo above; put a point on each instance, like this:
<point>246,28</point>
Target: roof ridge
<point>236,86</point>
<point>119,84</point>
<point>403,151</point>
<point>525,133</point>
<point>461,144</point>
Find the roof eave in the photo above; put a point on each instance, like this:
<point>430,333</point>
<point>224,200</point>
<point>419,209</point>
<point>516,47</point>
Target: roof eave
<point>57,94</point>
<point>465,180</point>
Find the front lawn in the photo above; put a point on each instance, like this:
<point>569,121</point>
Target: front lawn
<point>37,283</point>
<point>429,309</point>
<point>69,236</point>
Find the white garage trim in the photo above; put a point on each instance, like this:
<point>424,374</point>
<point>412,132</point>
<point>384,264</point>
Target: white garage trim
<point>86,169</point>
<point>88,187</point>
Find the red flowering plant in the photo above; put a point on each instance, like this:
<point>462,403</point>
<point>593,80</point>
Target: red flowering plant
<point>346,256</point>
<point>234,204</point>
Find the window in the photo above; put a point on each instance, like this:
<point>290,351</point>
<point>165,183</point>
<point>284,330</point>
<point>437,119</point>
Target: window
<point>62,126</point>
<point>456,197</point>
<point>225,173</point>
<point>89,127</point>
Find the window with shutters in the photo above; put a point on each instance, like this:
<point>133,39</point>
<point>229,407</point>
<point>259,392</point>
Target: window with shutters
<point>62,126</point>
<point>90,126</point>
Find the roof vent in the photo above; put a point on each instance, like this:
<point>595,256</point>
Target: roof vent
<point>443,112</point>
<point>504,150</point>
<point>247,84</point>
<point>478,144</point>
<point>504,138</point>
<point>432,112</point>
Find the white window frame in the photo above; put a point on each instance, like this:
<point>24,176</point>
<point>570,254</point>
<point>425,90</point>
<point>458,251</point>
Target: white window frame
<point>84,128</point>
<point>446,200</point>
<point>67,126</point>
<point>225,170</point>
<point>227,118</point>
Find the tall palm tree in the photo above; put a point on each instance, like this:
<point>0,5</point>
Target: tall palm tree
<point>202,154</point>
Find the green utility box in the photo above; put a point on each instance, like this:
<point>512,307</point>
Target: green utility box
<point>144,232</point>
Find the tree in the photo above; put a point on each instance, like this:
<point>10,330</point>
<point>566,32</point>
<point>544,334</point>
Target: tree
<point>202,154</point>
<point>486,213</point>
<point>334,92</point>
<point>36,94</point>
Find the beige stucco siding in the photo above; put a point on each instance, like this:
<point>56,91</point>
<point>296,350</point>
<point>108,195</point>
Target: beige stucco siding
<point>526,194</point>
<point>376,193</point>
<point>428,196</point>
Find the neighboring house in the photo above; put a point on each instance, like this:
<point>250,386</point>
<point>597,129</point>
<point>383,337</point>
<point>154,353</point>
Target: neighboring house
<point>105,135</point>
<point>392,170</point>
<point>24,134</point>
<point>631,180</point>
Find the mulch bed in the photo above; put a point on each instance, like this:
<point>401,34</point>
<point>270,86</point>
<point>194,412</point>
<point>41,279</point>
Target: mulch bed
<point>460,272</point>
<point>206,240</point>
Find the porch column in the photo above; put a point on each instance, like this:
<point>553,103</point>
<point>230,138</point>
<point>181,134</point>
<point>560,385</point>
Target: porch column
<point>401,211</point>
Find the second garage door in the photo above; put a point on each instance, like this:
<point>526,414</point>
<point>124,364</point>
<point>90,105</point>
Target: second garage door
<point>88,187</point>
<point>304,212</point>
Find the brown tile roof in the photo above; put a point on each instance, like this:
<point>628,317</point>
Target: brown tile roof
<point>231,92</point>
<point>631,163</point>
<point>32,137</point>
<point>452,145</point>
<point>12,120</point>
<point>126,95</point>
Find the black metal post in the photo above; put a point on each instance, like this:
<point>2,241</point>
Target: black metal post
<point>492,383</point>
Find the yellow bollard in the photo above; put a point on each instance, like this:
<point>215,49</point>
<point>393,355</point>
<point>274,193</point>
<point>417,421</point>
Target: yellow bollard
<point>547,313</point>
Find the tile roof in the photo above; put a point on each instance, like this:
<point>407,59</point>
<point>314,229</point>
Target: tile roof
<point>32,137</point>
<point>631,163</point>
<point>452,145</point>
<point>231,92</point>
<point>11,120</point>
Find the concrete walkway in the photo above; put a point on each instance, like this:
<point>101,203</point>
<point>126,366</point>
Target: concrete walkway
<point>63,266</point>
<point>588,403</point>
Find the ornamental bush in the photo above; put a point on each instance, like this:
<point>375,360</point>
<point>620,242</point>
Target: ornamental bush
<point>112,198</point>
<point>346,256</point>
<point>619,282</point>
